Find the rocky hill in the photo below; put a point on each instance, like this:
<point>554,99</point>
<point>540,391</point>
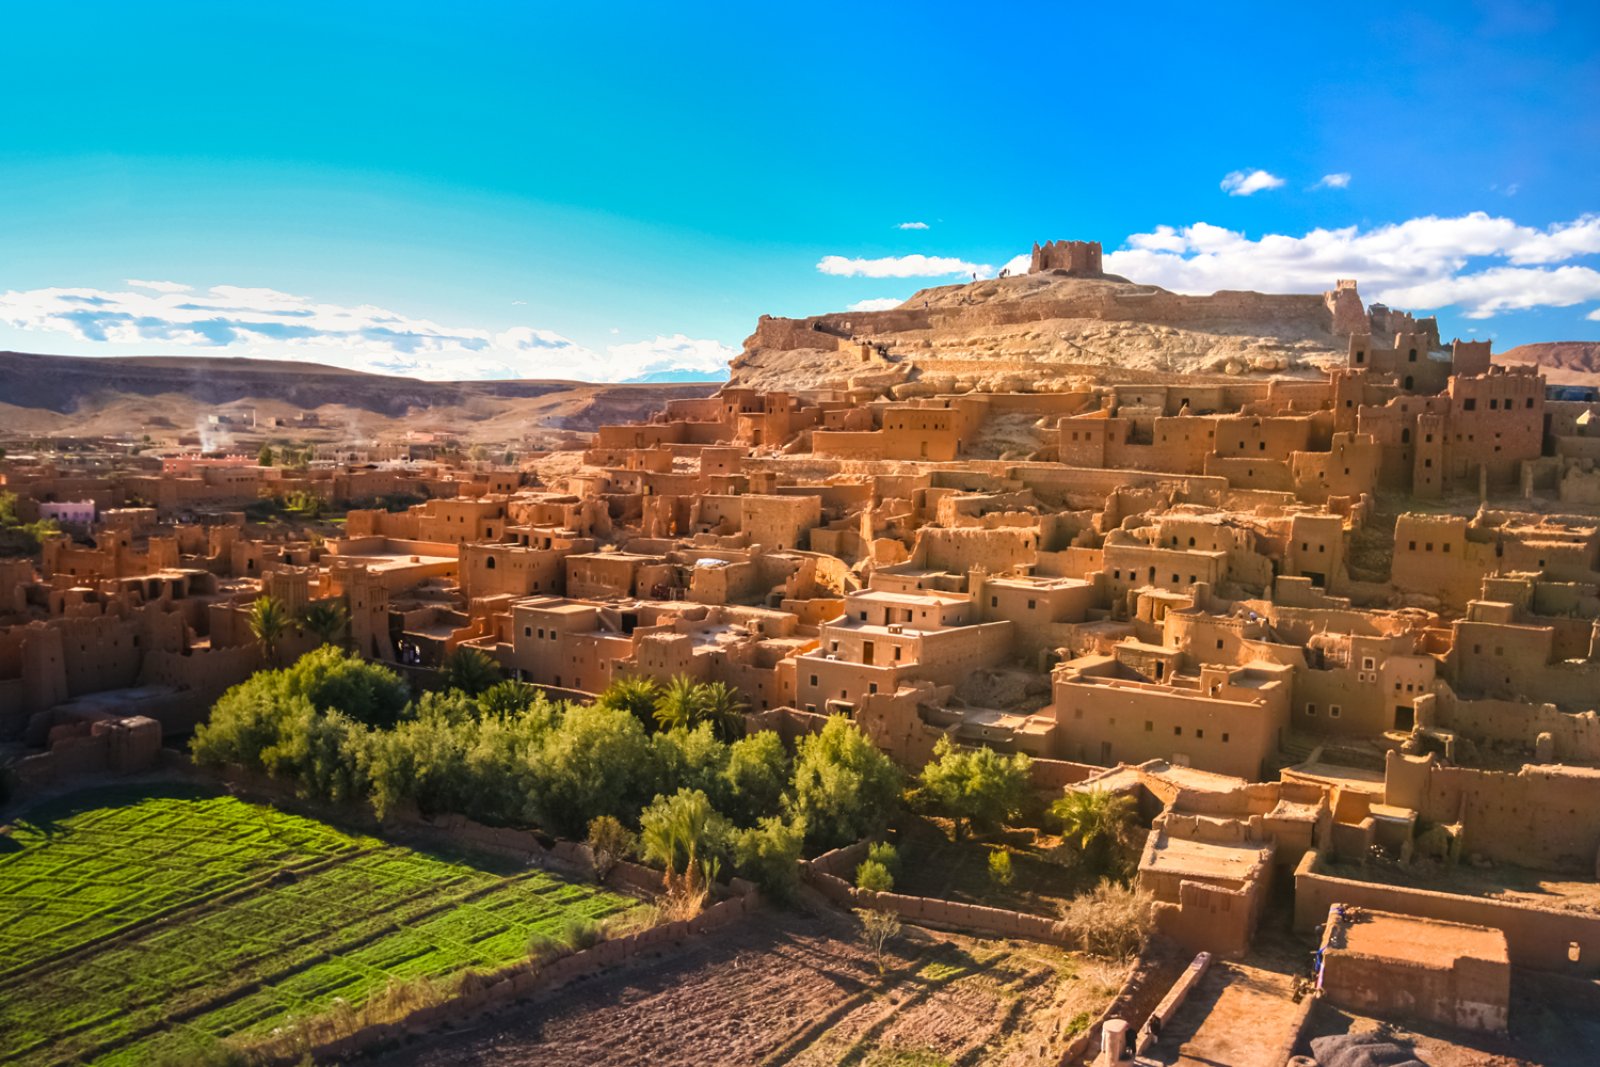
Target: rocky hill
<point>1052,328</point>
<point>114,395</point>
<point>1564,362</point>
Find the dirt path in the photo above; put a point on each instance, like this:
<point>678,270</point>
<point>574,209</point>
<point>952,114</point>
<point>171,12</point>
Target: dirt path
<point>800,990</point>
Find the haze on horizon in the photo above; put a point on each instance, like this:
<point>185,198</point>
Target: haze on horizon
<point>525,191</point>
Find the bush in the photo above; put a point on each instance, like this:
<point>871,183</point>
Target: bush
<point>1000,867</point>
<point>579,933</point>
<point>874,876</point>
<point>769,855</point>
<point>1112,920</point>
<point>885,853</point>
<point>609,844</point>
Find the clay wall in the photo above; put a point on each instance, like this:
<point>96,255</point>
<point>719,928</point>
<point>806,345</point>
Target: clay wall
<point>1540,938</point>
<point>1131,723</point>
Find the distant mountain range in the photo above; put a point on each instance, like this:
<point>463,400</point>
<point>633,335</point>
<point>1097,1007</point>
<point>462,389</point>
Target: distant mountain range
<point>160,395</point>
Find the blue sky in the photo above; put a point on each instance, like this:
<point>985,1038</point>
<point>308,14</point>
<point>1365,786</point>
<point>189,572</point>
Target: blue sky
<point>536,190</point>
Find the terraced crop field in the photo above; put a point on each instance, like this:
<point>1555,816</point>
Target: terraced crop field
<point>141,926</point>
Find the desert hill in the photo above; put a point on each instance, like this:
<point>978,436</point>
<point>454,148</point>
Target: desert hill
<point>1564,362</point>
<point>121,395</point>
<point>1051,327</point>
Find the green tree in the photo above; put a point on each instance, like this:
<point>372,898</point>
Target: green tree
<point>594,761</point>
<point>507,698</point>
<point>686,836</point>
<point>976,785</point>
<point>720,704</point>
<point>769,855</point>
<point>755,778</point>
<point>678,707</point>
<point>269,622</point>
<point>1100,822</point>
<point>327,620</point>
<point>636,695</point>
<point>264,457</point>
<point>844,787</point>
<point>336,680</point>
<point>471,670</point>
<point>691,759</point>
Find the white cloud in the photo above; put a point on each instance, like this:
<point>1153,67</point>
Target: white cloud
<point>1593,316</point>
<point>912,226</point>
<point>1333,181</point>
<point>1247,183</point>
<point>1422,263</point>
<point>878,303</point>
<point>914,266</point>
<point>235,320</point>
<point>665,354</point>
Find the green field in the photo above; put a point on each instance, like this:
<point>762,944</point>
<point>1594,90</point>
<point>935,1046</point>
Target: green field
<point>143,925</point>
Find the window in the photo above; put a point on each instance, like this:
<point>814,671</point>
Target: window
<point>1224,738</point>
<point>527,631</point>
<point>1469,404</point>
<point>1219,642</point>
<point>1031,605</point>
<point>872,687</point>
<point>1334,711</point>
<point>1149,726</point>
<point>1311,709</point>
<point>1412,356</point>
<point>994,602</point>
<point>1368,663</point>
<point>1177,731</point>
<point>1199,735</point>
<point>813,679</point>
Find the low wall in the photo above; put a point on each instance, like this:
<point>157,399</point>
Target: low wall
<point>830,872</point>
<point>1541,938</point>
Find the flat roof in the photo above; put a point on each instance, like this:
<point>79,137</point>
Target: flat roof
<point>1203,859</point>
<point>1430,942</point>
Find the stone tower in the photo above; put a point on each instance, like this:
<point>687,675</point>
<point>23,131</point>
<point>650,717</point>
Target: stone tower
<point>1080,258</point>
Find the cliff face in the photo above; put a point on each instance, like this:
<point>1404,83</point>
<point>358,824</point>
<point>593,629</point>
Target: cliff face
<point>1051,328</point>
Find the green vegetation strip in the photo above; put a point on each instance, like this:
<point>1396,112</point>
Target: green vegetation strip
<point>158,923</point>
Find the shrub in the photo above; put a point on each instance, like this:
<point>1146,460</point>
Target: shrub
<point>769,855</point>
<point>609,844</point>
<point>1000,867</point>
<point>755,778</point>
<point>1112,920</point>
<point>874,876</point>
<point>885,853</point>
<point>878,928</point>
<point>579,933</point>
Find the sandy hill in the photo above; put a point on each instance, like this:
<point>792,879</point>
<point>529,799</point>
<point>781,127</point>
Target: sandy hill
<point>1046,327</point>
<point>1564,362</point>
<point>116,395</point>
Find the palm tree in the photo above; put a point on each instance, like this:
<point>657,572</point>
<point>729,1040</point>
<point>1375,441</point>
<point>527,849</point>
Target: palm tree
<point>720,705</point>
<point>637,696</point>
<point>269,621</point>
<point>1097,819</point>
<point>679,704</point>
<point>328,620</point>
<point>470,671</point>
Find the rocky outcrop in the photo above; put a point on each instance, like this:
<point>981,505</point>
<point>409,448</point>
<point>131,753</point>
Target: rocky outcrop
<point>1054,328</point>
